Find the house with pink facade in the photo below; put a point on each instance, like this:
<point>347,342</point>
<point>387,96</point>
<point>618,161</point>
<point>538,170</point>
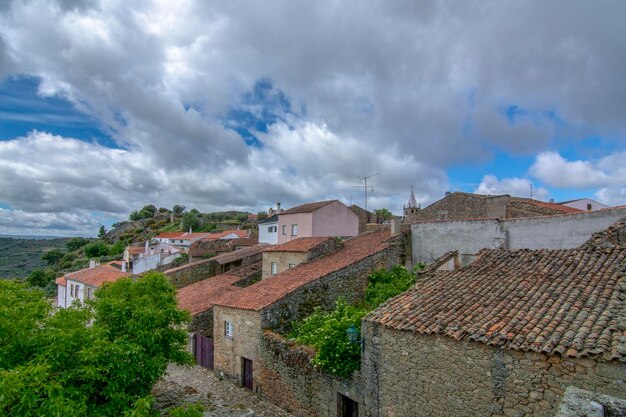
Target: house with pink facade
<point>322,218</point>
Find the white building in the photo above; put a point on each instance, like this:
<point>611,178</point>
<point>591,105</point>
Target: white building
<point>148,257</point>
<point>585,204</point>
<point>81,285</point>
<point>268,230</point>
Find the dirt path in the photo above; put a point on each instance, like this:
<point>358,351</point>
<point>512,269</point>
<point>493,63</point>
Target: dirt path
<point>220,398</point>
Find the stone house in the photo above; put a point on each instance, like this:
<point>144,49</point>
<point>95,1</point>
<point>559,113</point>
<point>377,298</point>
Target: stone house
<point>365,217</point>
<point>279,258</point>
<point>460,206</point>
<point>276,302</point>
<point>81,285</point>
<point>506,335</point>
<point>322,218</point>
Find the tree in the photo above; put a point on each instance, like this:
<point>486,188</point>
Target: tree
<point>191,220</point>
<point>96,249</point>
<point>178,209</point>
<point>53,256</point>
<point>59,365</point>
<point>261,215</point>
<point>148,211</point>
<point>383,214</point>
<point>102,232</point>
<point>76,243</point>
<point>41,277</point>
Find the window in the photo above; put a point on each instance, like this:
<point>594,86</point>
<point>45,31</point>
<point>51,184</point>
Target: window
<point>294,230</point>
<point>72,290</point>
<point>284,229</point>
<point>272,229</point>
<point>89,294</point>
<point>274,268</point>
<point>589,207</point>
<point>228,329</point>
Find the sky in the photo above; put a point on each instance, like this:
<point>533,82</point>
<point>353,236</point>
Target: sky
<point>109,105</point>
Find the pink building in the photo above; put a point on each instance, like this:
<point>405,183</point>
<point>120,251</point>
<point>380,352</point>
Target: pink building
<point>323,218</point>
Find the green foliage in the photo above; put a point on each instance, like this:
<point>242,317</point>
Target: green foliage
<point>262,215</point>
<point>191,220</point>
<point>20,257</point>
<point>383,214</point>
<point>96,249</point>
<point>76,243</point>
<point>145,213</point>
<point>58,365</point>
<point>178,209</point>
<point>327,333</point>
<point>102,232</point>
<point>162,210</point>
<point>188,410</point>
<point>41,277</point>
<point>117,248</point>
<point>67,260</point>
<point>384,284</point>
<point>53,256</point>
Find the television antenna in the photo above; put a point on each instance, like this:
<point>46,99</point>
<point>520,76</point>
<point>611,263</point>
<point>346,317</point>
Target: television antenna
<point>364,180</point>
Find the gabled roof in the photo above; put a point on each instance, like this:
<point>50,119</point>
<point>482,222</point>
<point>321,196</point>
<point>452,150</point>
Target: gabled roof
<point>553,206</point>
<point>308,207</point>
<point>181,235</point>
<point>301,244</point>
<point>568,302</point>
<point>233,256</point>
<point>272,219</point>
<point>97,275</point>
<point>266,292</point>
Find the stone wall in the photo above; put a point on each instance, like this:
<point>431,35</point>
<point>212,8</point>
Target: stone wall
<point>196,271</point>
<point>433,239</point>
<point>444,377</point>
<point>244,343</point>
<point>282,260</point>
<point>349,283</point>
<point>462,206</point>
<point>287,378</point>
<point>202,323</point>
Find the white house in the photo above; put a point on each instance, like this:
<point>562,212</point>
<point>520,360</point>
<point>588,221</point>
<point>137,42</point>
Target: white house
<point>180,239</point>
<point>268,230</point>
<point>586,204</point>
<point>81,285</point>
<point>148,257</point>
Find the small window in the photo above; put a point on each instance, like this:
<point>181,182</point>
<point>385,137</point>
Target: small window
<point>72,290</point>
<point>589,207</point>
<point>294,230</point>
<point>89,294</point>
<point>228,329</point>
<point>284,229</point>
<point>274,268</point>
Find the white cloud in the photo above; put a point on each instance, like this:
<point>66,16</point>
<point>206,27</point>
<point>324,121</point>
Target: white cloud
<point>517,187</point>
<point>552,169</point>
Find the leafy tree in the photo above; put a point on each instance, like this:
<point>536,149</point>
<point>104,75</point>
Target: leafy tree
<point>67,260</point>
<point>191,220</point>
<point>76,243</point>
<point>194,211</point>
<point>162,210</point>
<point>384,284</point>
<point>52,257</point>
<point>41,277</point>
<point>262,215</point>
<point>96,249</point>
<point>102,232</point>
<point>383,214</point>
<point>117,248</point>
<point>148,211</point>
<point>58,365</point>
<point>134,216</point>
<point>327,333</point>
<point>178,209</point>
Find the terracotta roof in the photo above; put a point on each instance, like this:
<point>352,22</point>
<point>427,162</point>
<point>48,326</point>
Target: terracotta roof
<point>301,244</point>
<point>200,296</point>
<point>136,250</point>
<point>568,302</point>
<point>308,207</point>
<point>61,281</point>
<point>272,289</point>
<point>239,254</point>
<point>170,235</point>
<point>553,206</point>
<point>97,276</point>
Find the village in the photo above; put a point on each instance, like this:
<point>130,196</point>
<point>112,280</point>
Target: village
<point>518,307</point>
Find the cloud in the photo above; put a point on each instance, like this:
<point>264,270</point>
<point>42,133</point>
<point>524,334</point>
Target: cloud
<point>404,89</point>
<point>552,169</point>
<point>517,187</point>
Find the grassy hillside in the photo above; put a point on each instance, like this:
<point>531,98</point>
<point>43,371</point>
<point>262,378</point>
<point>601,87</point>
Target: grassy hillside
<point>19,257</point>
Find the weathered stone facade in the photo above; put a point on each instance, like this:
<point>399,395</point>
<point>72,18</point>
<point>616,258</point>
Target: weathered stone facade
<point>444,377</point>
<point>288,379</point>
<point>283,261</point>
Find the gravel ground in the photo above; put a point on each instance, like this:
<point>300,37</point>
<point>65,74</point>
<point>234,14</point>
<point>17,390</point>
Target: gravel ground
<point>220,398</point>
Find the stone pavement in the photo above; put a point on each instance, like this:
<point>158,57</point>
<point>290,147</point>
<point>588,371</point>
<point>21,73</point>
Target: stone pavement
<point>220,398</point>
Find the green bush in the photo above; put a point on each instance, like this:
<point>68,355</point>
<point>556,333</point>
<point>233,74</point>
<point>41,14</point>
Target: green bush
<point>384,284</point>
<point>326,332</point>
<point>96,249</point>
<point>76,243</point>
<point>41,278</point>
<point>52,257</point>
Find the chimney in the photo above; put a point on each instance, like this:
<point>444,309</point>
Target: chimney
<point>146,247</point>
<point>395,226</point>
<point>93,263</point>
<point>278,208</point>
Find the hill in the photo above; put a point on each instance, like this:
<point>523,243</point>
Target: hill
<point>19,257</point>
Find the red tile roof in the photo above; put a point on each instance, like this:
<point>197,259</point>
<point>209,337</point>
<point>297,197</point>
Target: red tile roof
<point>182,235</point>
<point>568,302</point>
<point>272,289</point>
<point>553,206</point>
<point>236,255</point>
<point>201,296</point>
<point>308,207</point>
<point>61,281</point>
<point>302,244</point>
<point>97,276</point>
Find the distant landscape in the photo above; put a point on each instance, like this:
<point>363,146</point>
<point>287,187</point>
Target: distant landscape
<point>20,256</point>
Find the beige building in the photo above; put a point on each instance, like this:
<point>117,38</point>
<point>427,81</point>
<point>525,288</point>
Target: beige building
<point>279,258</point>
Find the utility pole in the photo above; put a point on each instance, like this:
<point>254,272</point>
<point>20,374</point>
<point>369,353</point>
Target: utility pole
<point>364,179</point>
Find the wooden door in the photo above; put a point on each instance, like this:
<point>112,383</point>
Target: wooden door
<point>247,373</point>
<point>203,350</point>
<point>346,407</point>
